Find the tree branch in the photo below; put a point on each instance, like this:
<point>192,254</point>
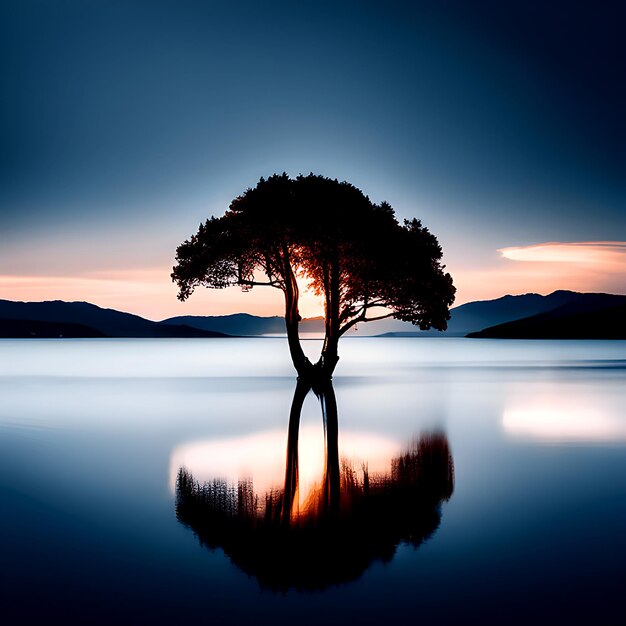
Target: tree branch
<point>254,283</point>
<point>375,319</point>
<point>346,314</point>
<point>362,318</point>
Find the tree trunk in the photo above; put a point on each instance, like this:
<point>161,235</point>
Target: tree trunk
<point>329,358</point>
<point>291,466</point>
<point>332,474</point>
<point>330,351</point>
<point>292,320</point>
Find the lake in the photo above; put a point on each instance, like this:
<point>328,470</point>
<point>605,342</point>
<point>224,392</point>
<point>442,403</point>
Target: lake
<point>518,516</point>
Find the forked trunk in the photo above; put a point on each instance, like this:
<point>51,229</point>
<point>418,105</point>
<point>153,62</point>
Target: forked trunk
<point>319,374</point>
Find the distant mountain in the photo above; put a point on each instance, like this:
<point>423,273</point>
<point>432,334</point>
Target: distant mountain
<point>589,316</point>
<point>483,318</point>
<point>236,324</point>
<point>244,324</point>
<point>26,329</point>
<point>81,319</point>
<point>475,316</point>
<point>464,319</point>
<point>312,325</point>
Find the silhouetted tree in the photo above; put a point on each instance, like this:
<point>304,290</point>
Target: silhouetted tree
<point>354,253</point>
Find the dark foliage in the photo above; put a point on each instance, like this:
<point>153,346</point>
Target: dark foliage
<point>351,251</point>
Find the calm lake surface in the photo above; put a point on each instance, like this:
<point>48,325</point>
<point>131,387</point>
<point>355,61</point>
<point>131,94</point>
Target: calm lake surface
<point>94,432</point>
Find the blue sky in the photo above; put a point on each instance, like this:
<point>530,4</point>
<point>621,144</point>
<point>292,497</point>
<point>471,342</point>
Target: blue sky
<point>124,124</point>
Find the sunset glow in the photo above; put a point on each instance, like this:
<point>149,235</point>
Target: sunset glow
<point>595,266</point>
<point>312,312</point>
<point>151,294</point>
<point>261,457</point>
<point>610,255</point>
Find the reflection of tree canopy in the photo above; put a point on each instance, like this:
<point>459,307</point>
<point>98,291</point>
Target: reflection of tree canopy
<point>328,541</point>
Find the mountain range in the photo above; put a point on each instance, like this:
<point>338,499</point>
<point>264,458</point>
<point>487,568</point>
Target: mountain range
<point>594,316</point>
<point>532,316</point>
<point>81,319</point>
<point>561,314</point>
<point>464,319</point>
<point>245,324</point>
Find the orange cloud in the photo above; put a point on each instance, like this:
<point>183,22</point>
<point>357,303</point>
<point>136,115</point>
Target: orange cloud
<point>543,268</point>
<point>610,255</point>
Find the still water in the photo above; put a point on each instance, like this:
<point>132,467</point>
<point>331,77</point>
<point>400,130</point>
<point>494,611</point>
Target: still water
<point>477,481</point>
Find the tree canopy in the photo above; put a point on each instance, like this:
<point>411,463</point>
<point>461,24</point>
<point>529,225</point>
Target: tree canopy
<point>352,252</point>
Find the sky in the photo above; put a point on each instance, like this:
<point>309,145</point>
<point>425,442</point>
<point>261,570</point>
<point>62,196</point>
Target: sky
<point>124,124</point>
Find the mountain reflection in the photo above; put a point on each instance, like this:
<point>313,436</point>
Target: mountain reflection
<point>331,534</point>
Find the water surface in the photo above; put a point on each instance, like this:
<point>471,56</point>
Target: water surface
<point>93,433</point>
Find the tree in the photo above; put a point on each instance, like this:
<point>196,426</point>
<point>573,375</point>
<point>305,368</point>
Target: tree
<point>352,252</point>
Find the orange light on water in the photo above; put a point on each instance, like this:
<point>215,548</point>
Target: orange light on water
<point>261,457</point>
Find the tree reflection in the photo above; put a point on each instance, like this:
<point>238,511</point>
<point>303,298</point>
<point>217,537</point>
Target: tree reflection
<point>344,523</point>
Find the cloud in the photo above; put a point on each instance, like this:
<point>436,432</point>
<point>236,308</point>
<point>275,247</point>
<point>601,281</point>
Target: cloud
<point>591,266</point>
<point>608,256</point>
